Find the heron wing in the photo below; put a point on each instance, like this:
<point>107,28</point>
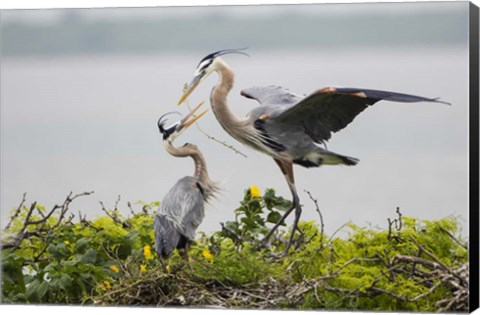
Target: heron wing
<point>183,206</point>
<point>332,109</point>
<point>271,95</point>
<point>167,237</point>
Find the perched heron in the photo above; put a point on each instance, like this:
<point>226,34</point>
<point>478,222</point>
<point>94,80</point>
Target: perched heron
<point>289,127</point>
<point>182,209</point>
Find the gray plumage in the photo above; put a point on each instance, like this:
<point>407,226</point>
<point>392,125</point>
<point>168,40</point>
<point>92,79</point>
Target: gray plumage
<point>179,215</point>
<point>182,209</point>
<point>297,123</point>
<point>290,128</point>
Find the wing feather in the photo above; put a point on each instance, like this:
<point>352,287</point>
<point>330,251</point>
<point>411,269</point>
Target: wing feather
<point>167,237</point>
<point>271,95</point>
<point>183,206</point>
<point>332,109</point>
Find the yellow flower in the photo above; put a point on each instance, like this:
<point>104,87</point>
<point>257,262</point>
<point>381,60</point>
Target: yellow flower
<point>105,285</point>
<point>143,268</point>
<point>147,253</point>
<point>66,242</point>
<point>206,253</point>
<point>114,268</point>
<point>255,192</point>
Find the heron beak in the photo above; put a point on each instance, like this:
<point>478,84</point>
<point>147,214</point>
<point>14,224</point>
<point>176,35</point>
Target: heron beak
<point>196,80</point>
<point>190,118</point>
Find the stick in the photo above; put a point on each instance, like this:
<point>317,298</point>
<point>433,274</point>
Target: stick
<point>322,226</point>
<point>224,143</point>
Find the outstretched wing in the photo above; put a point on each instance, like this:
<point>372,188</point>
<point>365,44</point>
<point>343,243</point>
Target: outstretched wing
<point>271,95</point>
<point>332,109</point>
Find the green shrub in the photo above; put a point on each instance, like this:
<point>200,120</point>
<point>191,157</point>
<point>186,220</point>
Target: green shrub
<point>411,265</point>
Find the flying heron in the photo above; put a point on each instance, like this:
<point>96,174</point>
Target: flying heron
<point>289,127</point>
<point>182,209</point>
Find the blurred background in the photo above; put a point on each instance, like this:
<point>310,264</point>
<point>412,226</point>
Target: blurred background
<point>82,89</point>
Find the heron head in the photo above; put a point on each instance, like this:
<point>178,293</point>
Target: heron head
<point>167,130</point>
<point>206,66</point>
<point>173,130</point>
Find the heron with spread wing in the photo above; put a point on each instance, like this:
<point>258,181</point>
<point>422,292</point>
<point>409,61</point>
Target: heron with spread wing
<point>182,209</point>
<point>289,127</point>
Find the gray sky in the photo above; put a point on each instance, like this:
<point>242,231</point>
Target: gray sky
<point>88,122</point>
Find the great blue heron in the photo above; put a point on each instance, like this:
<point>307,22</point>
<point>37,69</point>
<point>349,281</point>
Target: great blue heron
<point>289,127</point>
<point>182,209</point>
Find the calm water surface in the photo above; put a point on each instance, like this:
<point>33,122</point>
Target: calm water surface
<point>89,123</point>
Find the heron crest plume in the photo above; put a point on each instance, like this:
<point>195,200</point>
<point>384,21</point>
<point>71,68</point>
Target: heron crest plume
<point>166,131</point>
<point>225,52</point>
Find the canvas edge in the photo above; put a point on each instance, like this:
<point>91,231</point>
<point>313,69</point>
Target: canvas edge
<point>474,155</point>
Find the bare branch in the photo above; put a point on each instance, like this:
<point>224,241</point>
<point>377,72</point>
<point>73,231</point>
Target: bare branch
<point>114,215</point>
<point>224,143</point>
<point>322,225</point>
<point>415,260</point>
<point>454,238</point>
<point>400,222</point>
<point>41,225</point>
<point>17,212</point>
<point>116,203</point>
<point>129,205</point>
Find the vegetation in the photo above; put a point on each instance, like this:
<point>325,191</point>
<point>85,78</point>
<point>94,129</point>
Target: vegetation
<point>49,256</point>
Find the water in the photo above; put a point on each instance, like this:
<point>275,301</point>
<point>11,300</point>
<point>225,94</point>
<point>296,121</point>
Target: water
<point>83,123</point>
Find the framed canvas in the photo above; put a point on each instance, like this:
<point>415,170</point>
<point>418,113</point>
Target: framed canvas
<point>308,156</point>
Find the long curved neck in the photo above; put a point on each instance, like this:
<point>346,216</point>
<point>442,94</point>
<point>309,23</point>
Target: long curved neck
<point>241,129</point>
<point>218,99</point>
<point>200,167</point>
<point>200,173</point>
<point>188,151</point>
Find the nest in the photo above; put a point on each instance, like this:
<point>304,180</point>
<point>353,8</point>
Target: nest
<point>159,288</point>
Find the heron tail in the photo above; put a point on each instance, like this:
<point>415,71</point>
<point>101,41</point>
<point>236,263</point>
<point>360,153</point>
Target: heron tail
<point>167,237</point>
<point>331,158</point>
<point>325,157</point>
<point>347,160</point>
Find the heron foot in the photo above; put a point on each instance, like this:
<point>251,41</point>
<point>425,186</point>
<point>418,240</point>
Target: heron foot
<point>265,240</point>
<point>298,212</point>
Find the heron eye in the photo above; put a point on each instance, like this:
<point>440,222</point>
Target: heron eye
<point>202,66</point>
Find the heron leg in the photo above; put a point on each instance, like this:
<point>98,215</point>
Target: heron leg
<point>287,169</point>
<point>298,212</point>
<point>275,227</point>
<point>185,251</point>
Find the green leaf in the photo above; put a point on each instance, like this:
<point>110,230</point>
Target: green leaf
<point>65,281</point>
<point>81,244</point>
<point>36,291</point>
<point>40,207</point>
<point>52,249</point>
<point>89,257</point>
<point>272,201</point>
<point>125,249</point>
<point>274,217</point>
<point>42,289</point>
<point>12,276</point>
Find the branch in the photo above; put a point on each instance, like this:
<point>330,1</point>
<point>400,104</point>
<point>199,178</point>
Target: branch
<point>454,238</point>
<point>438,261</point>
<point>17,212</point>
<point>114,214</point>
<point>322,225</point>
<point>400,223</point>
<point>129,205</point>
<point>415,260</point>
<point>40,229</point>
<point>238,237</point>
<point>224,143</point>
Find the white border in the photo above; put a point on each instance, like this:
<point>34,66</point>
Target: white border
<point>44,4</point>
